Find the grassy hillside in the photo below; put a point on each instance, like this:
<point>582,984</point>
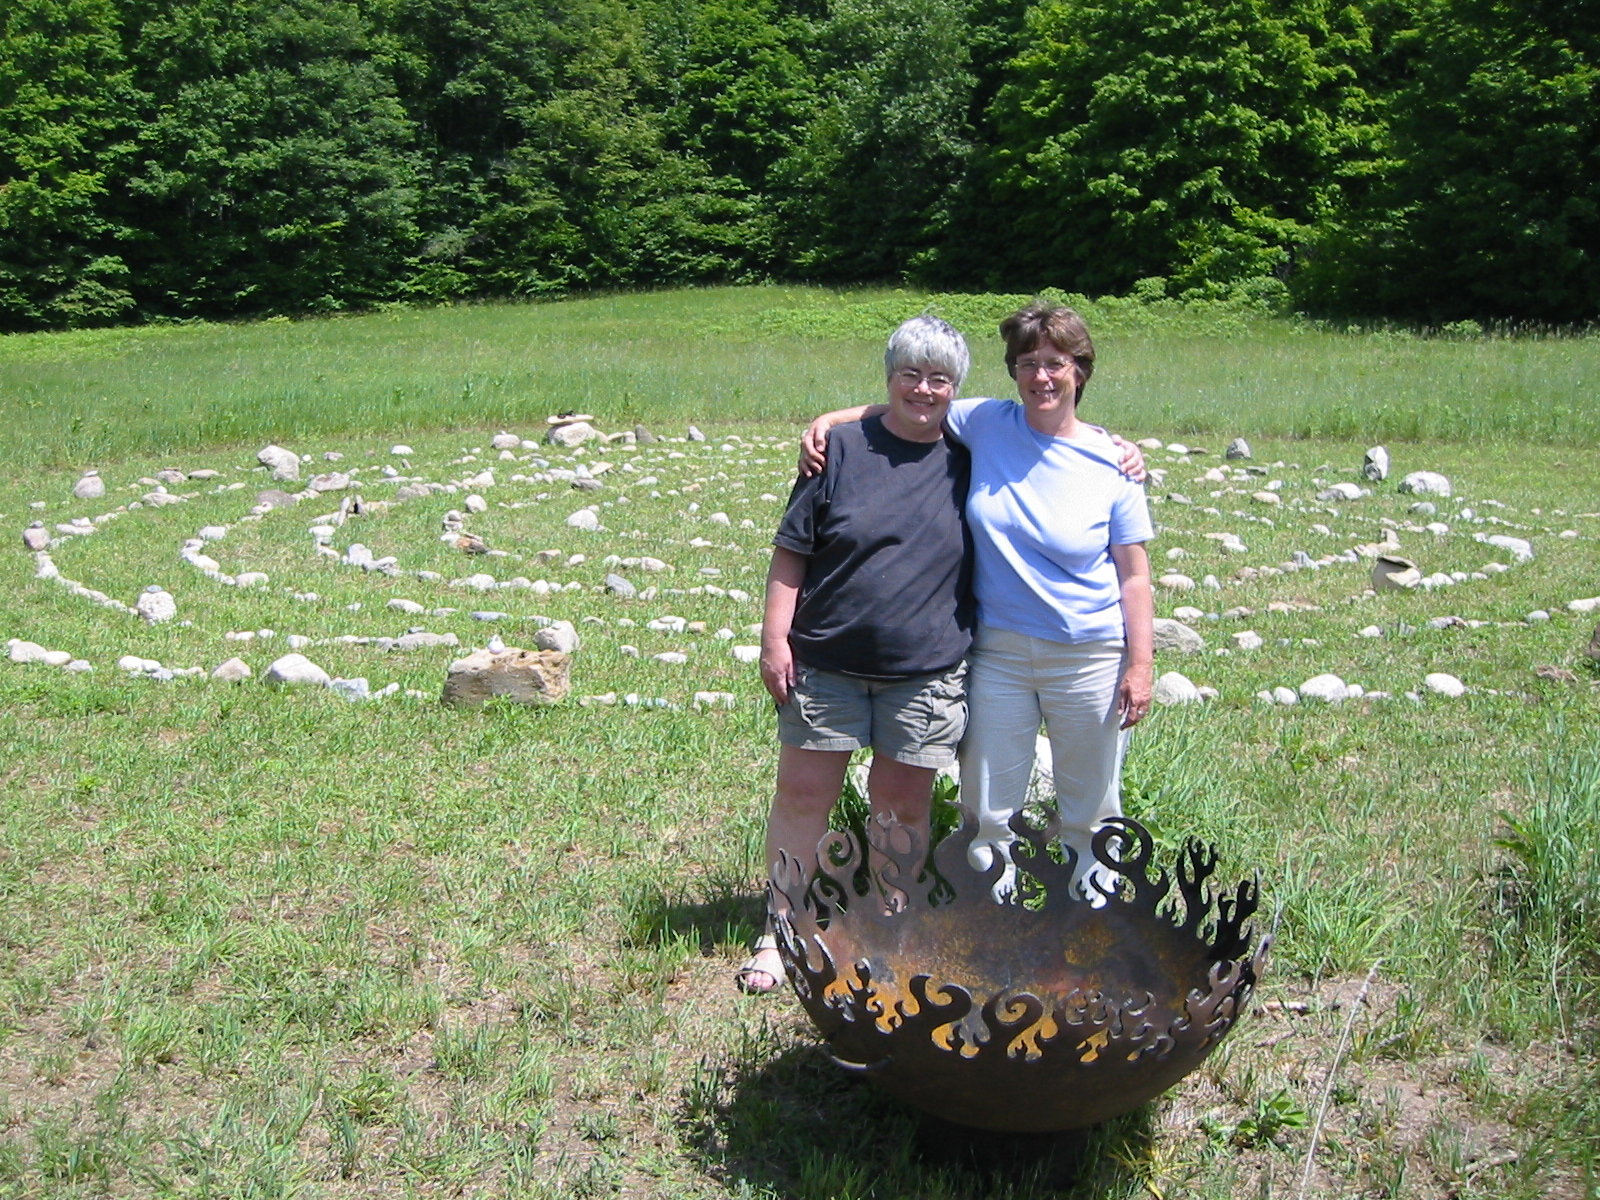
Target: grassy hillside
<point>751,354</point>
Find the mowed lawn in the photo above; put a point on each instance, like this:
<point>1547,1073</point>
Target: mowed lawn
<point>277,943</point>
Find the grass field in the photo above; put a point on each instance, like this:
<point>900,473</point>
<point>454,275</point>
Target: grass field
<point>270,944</point>
<point>754,354</point>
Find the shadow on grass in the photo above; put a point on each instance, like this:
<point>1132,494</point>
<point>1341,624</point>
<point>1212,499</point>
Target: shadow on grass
<point>724,914</point>
<point>799,1128</point>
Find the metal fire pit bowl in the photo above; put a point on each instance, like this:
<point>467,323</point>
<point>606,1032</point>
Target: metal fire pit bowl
<point>1039,1015</point>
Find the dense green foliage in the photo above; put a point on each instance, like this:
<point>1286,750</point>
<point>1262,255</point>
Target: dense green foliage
<point>1426,160</point>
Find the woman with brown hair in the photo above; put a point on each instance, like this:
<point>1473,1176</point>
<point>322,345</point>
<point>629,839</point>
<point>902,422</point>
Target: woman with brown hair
<point>1065,613</point>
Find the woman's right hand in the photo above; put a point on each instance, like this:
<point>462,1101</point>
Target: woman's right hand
<point>814,445</point>
<point>777,670</point>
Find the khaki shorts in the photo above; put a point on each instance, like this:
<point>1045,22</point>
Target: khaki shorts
<point>916,721</point>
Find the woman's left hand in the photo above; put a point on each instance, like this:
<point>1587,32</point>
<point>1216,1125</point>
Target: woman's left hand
<point>1132,464</point>
<point>1133,694</point>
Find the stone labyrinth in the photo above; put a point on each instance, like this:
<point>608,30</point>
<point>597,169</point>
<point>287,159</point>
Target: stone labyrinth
<point>624,546</point>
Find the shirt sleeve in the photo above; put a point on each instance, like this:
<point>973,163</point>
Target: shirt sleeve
<point>959,416</point>
<point>798,529</point>
<point>1130,515</point>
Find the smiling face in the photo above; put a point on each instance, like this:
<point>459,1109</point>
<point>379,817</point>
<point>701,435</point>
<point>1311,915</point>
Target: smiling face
<point>1047,379</point>
<point>919,397</point>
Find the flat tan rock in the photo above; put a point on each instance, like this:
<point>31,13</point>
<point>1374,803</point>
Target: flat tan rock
<point>522,676</point>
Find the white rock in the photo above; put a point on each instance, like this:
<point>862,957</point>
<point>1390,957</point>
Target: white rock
<point>1587,605</point>
<point>295,669</point>
<point>476,504</point>
<point>1520,548</point>
<point>235,670</point>
<point>505,441</point>
<point>1237,449</point>
<point>1175,582</point>
<point>703,700</point>
<point>79,666</point>
<point>351,689</point>
<point>672,657</point>
<point>1375,464</point>
<point>26,652</point>
<point>558,635</point>
<point>584,518</point>
<point>1441,684</point>
<point>213,533</point>
<point>668,624</point>
<point>1371,631</point>
<point>398,604</point>
<point>574,434</point>
<point>284,464</point>
<point>1425,483</point>
<point>90,487</point>
<point>1329,689</point>
<point>400,450</point>
<point>1150,443</point>
<point>249,579</point>
<point>695,435</point>
<point>55,658</point>
<point>747,654</point>
<point>719,518</point>
<point>358,555</point>
<point>155,604</point>
<point>1536,615</point>
<point>1175,688</point>
<point>131,663</point>
<point>1285,695</point>
<point>1175,635</point>
<point>646,563</point>
<point>1342,491</point>
<point>1247,639</point>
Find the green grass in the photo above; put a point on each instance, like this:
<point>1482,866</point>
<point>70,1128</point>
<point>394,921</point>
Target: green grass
<point>272,944</point>
<point>750,354</point>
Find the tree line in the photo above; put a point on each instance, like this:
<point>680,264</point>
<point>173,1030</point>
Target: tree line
<point>1419,160</point>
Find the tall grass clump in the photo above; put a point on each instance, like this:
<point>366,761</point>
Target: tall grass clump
<point>1550,889</point>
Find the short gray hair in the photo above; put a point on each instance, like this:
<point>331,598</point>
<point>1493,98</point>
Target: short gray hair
<point>928,342</point>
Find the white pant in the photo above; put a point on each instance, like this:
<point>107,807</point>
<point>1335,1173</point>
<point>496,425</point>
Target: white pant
<point>1013,682</point>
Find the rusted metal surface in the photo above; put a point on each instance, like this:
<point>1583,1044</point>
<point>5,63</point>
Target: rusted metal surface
<point>1053,1012</point>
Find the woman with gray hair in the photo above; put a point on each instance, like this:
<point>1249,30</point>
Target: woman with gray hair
<point>869,611</point>
<point>1065,613</point>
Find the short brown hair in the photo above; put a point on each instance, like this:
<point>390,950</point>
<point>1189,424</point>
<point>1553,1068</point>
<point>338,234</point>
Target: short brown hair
<point>1063,328</point>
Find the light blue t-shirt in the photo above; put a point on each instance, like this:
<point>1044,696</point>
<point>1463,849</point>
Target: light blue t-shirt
<point>1044,513</point>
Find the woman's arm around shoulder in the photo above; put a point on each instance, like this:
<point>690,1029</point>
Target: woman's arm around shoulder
<point>814,441</point>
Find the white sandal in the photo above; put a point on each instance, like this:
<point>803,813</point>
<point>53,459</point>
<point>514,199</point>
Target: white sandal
<point>745,977</point>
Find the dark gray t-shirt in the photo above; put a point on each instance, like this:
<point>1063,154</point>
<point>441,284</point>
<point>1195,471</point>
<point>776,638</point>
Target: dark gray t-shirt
<point>888,586</point>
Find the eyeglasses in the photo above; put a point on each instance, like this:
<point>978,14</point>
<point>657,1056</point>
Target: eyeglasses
<point>937,381</point>
<point>1050,366</point>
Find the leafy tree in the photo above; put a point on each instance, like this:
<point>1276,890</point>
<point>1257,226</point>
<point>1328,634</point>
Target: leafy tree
<point>1489,205</point>
<point>1184,138</point>
<point>65,97</point>
<point>275,169</point>
<point>866,194</point>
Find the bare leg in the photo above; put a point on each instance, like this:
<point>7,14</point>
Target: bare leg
<point>809,782</point>
<point>907,793</point>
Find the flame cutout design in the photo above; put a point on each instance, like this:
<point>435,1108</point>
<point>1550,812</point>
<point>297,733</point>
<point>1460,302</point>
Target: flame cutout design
<point>1073,1003</point>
